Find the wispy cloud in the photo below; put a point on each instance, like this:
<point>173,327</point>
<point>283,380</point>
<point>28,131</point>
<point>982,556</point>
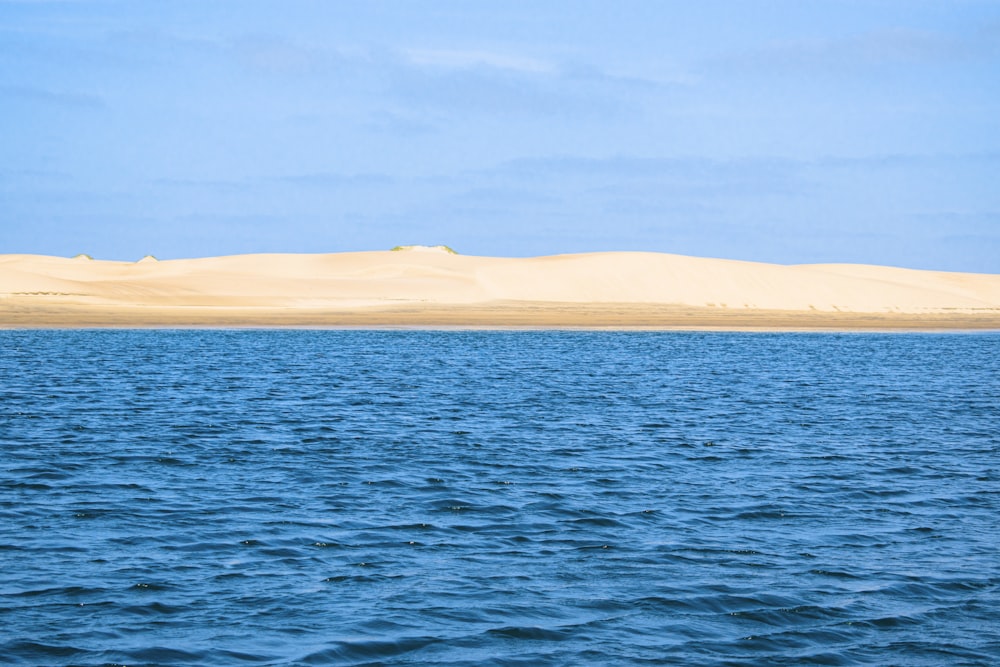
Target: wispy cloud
<point>206,185</point>
<point>324,180</point>
<point>330,180</point>
<point>52,98</point>
<point>759,174</point>
<point>401,123</point>
<point>495,82</point>
<point>506,92</point>
<point>467,59</point>
<point>272,54</point>
<point>899,46</point>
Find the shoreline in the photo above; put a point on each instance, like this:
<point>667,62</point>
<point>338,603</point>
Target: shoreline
<point>501,315</point>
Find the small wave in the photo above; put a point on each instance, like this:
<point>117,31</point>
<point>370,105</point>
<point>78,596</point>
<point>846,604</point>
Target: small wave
<point>535,633</point>
<point>367,650</point>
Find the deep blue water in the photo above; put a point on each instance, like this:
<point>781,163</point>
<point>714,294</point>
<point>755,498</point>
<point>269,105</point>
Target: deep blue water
<point>507,498</point>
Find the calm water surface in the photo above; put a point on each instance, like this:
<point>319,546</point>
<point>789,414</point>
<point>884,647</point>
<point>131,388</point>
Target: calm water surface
<point>506,498</point>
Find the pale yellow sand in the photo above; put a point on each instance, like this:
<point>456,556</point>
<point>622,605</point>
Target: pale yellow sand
<point>436,288</point>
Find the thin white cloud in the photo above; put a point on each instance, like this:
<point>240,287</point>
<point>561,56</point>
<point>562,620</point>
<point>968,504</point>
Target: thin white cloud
<point>275,55</point>
<point>886,47</point>
<point>71,100</point>
<point>464,59</point>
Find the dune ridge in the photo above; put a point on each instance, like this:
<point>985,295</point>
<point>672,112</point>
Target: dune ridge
<point>386,287</point>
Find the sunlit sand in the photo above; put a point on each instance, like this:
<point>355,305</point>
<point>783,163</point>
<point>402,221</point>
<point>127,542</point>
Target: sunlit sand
<point>431,286</point>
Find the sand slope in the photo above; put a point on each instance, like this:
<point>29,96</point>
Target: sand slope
<point>383,282</point>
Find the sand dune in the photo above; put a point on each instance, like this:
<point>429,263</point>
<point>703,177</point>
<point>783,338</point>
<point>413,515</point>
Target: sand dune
<point>432,286</point>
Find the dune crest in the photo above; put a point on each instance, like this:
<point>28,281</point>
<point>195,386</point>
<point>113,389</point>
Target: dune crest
<point>320,288</point>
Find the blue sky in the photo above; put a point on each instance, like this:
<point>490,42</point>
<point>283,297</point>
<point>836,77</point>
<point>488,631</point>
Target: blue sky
<point>780,130</point>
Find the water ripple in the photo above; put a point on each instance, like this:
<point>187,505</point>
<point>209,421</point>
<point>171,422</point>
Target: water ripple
<point>471,498</point>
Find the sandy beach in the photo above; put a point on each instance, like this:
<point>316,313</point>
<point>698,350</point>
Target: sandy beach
<point>431,287</point>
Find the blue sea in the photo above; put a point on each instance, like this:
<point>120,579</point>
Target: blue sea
<point>499,498</point>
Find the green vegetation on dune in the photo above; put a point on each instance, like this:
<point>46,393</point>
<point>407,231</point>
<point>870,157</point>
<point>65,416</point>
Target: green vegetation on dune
<point>444,248</point>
